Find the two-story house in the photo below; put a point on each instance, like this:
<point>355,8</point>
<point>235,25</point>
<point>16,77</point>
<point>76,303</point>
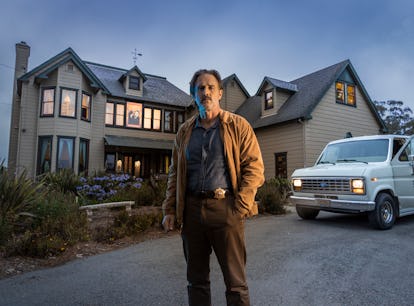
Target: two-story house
<point>88,117</point>
<point>294,120</point>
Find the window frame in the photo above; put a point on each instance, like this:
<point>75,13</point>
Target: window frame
<point>152,119</point>
<point>177,123</point>
<point>112,114</point>
<point>42,103</point>
<point>131,108</point>
<point>267,104</point>
<point>87,118</point>
<point>59,138</point>
<point>40,161</point>
<point>171,125</point>
<point>86,158</point>
<point>116,115</point>
<point>344,100</point>
<point>279,165</point>
<point>62,89</point>
<point>131,84</point>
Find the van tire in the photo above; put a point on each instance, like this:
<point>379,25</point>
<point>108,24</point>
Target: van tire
<point>384,215</point>
<point>307,213</point>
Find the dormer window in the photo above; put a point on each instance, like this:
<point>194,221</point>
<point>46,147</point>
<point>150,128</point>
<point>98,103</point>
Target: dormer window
<point>345,93</point>
<point>268,99</point>
<point>134,82</point>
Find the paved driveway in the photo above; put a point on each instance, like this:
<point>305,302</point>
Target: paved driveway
<point>334,260</point>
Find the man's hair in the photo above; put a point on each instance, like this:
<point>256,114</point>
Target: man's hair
<point>213,72</point>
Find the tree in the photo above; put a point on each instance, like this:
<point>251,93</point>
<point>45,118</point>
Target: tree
<point>397,117</point>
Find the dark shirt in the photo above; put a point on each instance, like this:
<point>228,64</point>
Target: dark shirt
<point>206,165</point>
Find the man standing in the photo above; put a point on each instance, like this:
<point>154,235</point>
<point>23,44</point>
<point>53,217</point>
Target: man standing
<point>214,175</point>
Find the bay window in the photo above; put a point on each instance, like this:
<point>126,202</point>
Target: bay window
<point>68,103</point>
<point>48,102</point>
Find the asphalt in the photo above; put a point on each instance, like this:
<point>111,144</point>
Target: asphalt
<point>335,260</point>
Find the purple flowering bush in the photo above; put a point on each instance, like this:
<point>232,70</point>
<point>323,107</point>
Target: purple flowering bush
<point>107,188</point>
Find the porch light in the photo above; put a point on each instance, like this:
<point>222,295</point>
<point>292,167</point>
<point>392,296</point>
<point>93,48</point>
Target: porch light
<point>137,168</point>
<point>119,166</point>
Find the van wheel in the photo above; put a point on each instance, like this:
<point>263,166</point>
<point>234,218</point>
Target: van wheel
<point>307,213</point>
<point>384,215</point>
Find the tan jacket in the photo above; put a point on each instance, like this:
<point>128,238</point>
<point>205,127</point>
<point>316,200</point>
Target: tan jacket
<point>244,160</point>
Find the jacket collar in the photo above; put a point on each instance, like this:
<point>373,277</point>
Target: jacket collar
<point>225,117</point>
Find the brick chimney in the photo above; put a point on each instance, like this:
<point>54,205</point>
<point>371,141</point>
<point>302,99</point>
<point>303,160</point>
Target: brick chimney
<point>20,68</point>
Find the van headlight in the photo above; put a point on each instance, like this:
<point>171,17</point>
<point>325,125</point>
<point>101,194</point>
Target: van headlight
<point>358,186</point>
<point>297,184</point>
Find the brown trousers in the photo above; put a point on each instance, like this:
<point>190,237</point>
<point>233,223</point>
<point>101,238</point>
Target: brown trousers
<point>211,224</point>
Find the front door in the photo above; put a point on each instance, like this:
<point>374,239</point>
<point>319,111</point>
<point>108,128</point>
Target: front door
<point>128,164</point>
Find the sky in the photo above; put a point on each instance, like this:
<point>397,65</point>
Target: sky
<point>253,39</point>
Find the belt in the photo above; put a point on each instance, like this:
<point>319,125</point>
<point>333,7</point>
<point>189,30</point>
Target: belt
<point>217,194</point>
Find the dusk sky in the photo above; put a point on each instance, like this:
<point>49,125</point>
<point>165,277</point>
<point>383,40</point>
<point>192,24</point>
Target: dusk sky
<point>253,39</point>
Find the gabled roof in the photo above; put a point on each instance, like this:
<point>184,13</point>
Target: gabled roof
<point>310,90</point>
<point>135,68</point>
<point>58,60</point>
<point>234,77</point>
<point>278,84</point>
<point>155,89</point>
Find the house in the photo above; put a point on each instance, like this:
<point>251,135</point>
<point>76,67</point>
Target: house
<point>294,120</point>
<point>89,117</point>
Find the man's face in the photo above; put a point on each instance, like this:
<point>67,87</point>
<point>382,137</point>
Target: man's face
<point>208,92</point>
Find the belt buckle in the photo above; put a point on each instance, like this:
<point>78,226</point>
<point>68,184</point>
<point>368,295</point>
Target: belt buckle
<point>219,194</point>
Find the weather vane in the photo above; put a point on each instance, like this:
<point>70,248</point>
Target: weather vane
<point>135,55</point>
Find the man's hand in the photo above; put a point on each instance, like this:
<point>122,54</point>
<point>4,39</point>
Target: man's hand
<point>168,222</point>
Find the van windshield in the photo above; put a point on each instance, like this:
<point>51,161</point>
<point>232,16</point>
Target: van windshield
<point>365,151</point>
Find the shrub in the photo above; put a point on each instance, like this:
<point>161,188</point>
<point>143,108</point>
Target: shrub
<point>125,225</point>
<point>151,193</point>
<point>64,180</point>
<point>57,224</point>
<point>17,195</point>
<point>273,196</point>
<point>107,188</point>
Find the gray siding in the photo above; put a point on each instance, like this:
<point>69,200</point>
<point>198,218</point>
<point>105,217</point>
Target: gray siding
<point>233,96</point>
<point>331,121</point>
<point>26,153</point>
<point>284,138</point>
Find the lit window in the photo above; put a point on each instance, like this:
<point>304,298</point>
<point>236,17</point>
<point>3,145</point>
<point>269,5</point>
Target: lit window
<point>268,99</point>
<point>350,96</point>
<point>86,107</point>
<point>345,93</point>
<point>109,113</point>
<point>134,115</point>
<point>65,153</point>
<point>68,103</point>
<point>156,124</point>
<point>340,94</point>
<point>120,114</point>
<point>133,82</point>
<point>147,118</point>
<point>48,102</point>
